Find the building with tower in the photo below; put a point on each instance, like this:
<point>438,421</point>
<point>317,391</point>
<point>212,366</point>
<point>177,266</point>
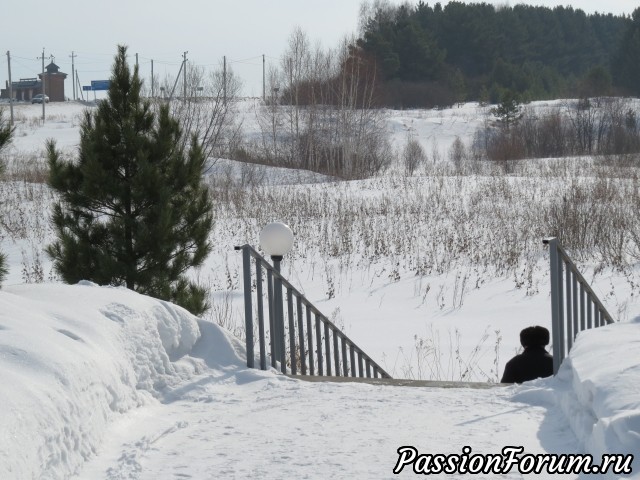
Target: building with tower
<point>27,88</point>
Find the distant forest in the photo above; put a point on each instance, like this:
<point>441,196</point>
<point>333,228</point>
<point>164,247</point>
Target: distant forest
<point>426,56</point>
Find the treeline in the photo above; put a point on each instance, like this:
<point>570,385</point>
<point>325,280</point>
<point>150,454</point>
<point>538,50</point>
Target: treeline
<point>437,55</point>
<point>602,126</point>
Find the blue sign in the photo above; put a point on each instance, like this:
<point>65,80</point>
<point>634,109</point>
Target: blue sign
<point>86,88</point>
<point>100,84</point>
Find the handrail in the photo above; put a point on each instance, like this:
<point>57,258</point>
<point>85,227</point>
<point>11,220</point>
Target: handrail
<point>576,298</point>
<point>300,348</point>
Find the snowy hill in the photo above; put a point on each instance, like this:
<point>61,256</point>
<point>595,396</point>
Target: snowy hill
<point>75,357</point>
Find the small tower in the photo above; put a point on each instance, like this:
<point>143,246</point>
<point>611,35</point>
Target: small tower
<point>54,83</point>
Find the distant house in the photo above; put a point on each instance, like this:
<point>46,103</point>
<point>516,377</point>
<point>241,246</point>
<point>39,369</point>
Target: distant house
<point>27,88</point>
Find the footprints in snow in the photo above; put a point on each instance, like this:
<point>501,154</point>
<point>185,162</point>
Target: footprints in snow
<point>130,462</point>
<point>71,335</point>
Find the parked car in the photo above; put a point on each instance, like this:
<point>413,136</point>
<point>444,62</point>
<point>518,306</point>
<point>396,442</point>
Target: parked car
<point>38,98</point>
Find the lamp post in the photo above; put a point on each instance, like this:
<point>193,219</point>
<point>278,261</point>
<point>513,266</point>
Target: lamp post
<point>276,239</point>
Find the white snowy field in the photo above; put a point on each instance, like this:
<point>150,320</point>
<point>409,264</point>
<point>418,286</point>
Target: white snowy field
<point>433,275</point>
<point>108,384</point>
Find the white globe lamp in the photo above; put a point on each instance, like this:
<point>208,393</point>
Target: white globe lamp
<point>276,239</point>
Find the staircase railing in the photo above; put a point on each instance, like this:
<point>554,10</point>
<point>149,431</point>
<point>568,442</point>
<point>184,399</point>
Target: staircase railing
<point>315,345</point>
<point>574,305</point>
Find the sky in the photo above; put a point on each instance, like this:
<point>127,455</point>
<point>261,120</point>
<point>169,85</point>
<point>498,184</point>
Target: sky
<point>208,30</point>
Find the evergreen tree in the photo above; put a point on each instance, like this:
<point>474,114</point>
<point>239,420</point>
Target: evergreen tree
<point>509,110</point>
<point>537,52</point>
<point>597,82</point>
<point>133,210</point>
<point>627,61</point>
<point>6,133</point>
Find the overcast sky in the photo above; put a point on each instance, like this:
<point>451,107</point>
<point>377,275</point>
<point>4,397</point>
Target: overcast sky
<point>162,30</point>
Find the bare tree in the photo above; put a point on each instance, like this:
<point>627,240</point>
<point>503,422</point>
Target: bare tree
<point>413,155</point>
<point>270,120</point>
<point>457,153</point>
<point>320,115</point>
<point>209,110</point>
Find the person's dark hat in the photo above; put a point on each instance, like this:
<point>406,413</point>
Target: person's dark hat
<point>534,337</point>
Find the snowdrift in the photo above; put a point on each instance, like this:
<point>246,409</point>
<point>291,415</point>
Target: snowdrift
<point>72,358</point>
<point>599,390</point>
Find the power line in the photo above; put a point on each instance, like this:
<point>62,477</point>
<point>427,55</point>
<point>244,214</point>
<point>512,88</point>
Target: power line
<point>94,53</point>
<point>245,59</point>
<point>29,68</point>
<point>31,59</point>
<point>94,71</point>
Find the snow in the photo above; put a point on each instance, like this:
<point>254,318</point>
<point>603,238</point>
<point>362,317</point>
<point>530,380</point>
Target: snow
<point>107,383</point>
<point>101,382</point>
<point>75,357</point>
<point>604,389</point>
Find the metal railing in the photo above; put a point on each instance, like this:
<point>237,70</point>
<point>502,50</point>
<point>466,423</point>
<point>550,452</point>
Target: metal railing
<point>574,305</point>
<point>315,345</point>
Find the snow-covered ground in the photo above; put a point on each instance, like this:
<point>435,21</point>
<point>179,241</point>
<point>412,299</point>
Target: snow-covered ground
<point>104,383</point>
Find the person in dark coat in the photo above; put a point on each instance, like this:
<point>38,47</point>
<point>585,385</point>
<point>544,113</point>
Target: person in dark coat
<point>534,362</point>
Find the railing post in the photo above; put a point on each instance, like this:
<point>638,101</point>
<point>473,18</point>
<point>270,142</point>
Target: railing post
<point>319,346</point>
<point>303,352</point>
<point>272,319</point>
<point>352,360</point>
<point>248,314</point>
<point>336,352</point>
<point>576,321</point>
<point>583,308</point>
<point>310,341</point>
<point>561,300</point>
<point>345,366</point>
<point>569,305</point>
<point>292,333</point>
<point>261,332</point>
<point>327,348</point>
<point>555,301</point>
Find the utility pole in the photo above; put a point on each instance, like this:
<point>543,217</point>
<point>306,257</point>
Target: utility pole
<point>43,94</point>
<point>10,87</point>
<point>152,82</point>
<point>73,82</point>
<point>264,98</point>
<point>224,80</point>
<point>184,75</point>
<point>78,86</point>
<point>136,60</point>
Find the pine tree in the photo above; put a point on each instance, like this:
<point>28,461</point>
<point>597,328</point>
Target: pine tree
<point>627,61</point>
<point>6,133</point>
<point>509,110</point>
<point>133,210</point>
